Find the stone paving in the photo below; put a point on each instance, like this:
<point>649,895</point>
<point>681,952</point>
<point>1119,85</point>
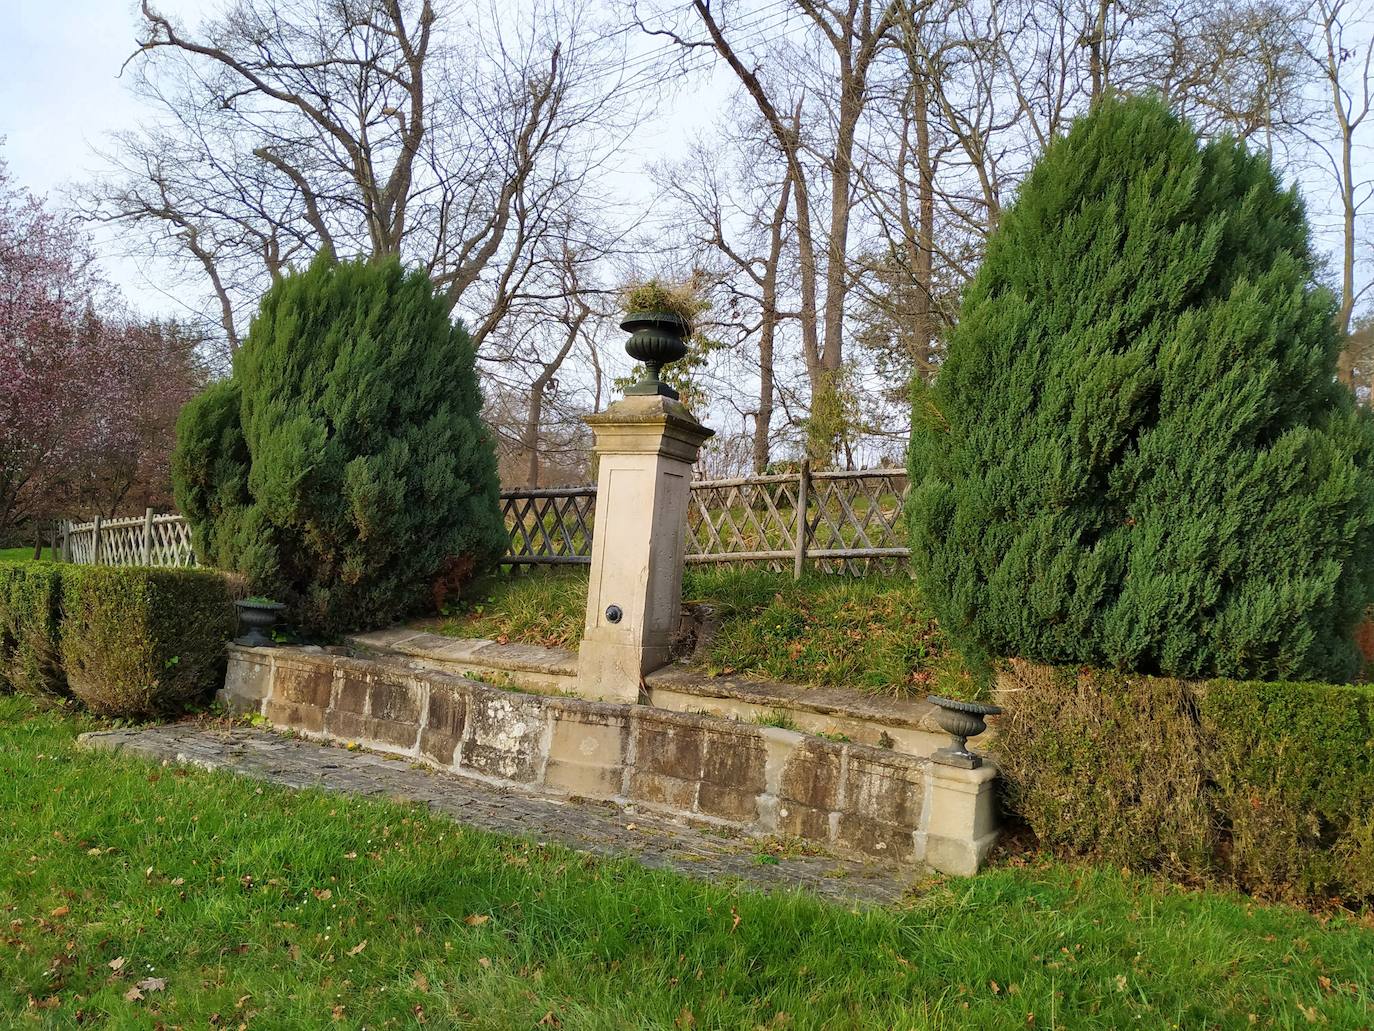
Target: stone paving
<point>598,827</point>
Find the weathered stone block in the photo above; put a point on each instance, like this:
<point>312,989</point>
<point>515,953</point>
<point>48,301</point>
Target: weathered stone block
<point>801,821</point>
<point>247,680</point>
<point>352,695</point>
<point>346,726</point>
<point>735,760</point>
<point>397,701</point>
<point>811,778</point>
<point>294,716</point>
<point>661,789</point>
<point>443,730</point>
<point>303,685</point>
<point>667,748</point>
<point>886,790</point>
<point>588,780</point>
<point>875,838</point>
<point>505,729</point>
<point>727,803</point>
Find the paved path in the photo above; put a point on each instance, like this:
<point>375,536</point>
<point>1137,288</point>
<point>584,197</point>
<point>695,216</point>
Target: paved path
<point>598,827</point>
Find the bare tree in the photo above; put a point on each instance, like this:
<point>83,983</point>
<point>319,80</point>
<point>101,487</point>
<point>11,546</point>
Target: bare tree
<point>1344,66</point>
<point>365,127</point>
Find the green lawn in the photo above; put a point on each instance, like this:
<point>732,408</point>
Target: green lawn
<point>21,554</point>
<point>235,904</point>
<point>873,633</point>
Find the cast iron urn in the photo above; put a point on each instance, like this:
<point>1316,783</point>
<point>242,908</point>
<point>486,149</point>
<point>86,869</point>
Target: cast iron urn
<point>657,338</point>
<point>257,615</point>
<point>961,721</point>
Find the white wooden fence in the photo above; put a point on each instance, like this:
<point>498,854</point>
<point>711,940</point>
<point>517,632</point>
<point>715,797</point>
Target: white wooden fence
<point>146,540</point>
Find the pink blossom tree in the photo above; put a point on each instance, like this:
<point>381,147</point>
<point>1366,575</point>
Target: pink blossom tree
<point>88,396</point>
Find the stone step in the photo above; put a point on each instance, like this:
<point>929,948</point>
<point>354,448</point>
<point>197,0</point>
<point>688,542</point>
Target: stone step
<point>530,666</point>
<point>903,724</point>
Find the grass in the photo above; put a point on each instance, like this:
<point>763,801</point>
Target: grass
<point>24,554</point>
<point>872,633</point>
<point>235,904</point>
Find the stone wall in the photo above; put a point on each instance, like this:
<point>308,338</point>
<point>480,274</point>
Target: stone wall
<point>758,779</point>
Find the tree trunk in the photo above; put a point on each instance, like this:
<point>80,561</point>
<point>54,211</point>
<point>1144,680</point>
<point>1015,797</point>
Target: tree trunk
<point>763,422</point>
<point>530,439</point>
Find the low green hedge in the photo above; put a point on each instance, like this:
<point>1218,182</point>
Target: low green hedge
<point>128,642</point>
<point>1267,786</point>
<point>30,613</point>
<point>143,642</point>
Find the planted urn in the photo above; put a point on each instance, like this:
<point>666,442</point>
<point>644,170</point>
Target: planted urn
<point>659,321</point>
<point>961,721</point>
<point>257,615</point>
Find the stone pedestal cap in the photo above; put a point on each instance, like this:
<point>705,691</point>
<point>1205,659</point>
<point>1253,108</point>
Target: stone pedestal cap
<point>636,425</point>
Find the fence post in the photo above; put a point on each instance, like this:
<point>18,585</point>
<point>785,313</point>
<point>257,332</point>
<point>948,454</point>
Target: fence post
<point>147,557</point>
<point>95,541</point>
<point>803,500</point>
<point>52,546</point>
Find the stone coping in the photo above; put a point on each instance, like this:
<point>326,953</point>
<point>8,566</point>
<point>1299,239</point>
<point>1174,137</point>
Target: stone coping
<point>828,701</point>
<point>466,652</point>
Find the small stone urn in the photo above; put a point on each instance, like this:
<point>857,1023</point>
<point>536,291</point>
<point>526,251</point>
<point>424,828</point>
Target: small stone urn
<point>257,615</point>
<point>657,338</point>
<point>961,721</point>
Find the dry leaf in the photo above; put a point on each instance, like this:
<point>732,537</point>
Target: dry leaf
<point>484,963</point>
<point>323,894</point>
<point>735,923</point>
<point>133,995</point>
<point>350,855</point>
<point>421,981</point>
<point>549,1020</point>
<point>685,1019</point>
<point>338,1012</point>
<point>117,964</point>
<point>60,912</point>
<point>153,984</point>
<point>358,948</point>
<point>419,1012</point>
<point>476,919</point>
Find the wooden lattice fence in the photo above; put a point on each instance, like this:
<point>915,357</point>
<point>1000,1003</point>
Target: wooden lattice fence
<point>146,540</point>
<point>837,521</point>
<point>840,521</point>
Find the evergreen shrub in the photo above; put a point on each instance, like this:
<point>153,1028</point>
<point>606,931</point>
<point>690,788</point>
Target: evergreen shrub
<point>30,637</point>
<point>1265,786</point>
<point>140,642</point>
<point>1136,454</point>
<point>345,465</point>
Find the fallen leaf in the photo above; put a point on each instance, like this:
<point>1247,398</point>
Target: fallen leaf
<point>133,995</point>
<point>549,1020</point>
<point>60,912</point>
<point>323,894</point>
<point>476,919</point>
<point>338,1012</point>
<point>419,1012</point>
<point>350,855</point>
<point>117,964</point>
<point>996,988</point>
<point>421,981</point>
<point>735,923</point>
<point>358,948</point>
<point>153,984</point>
<point>484,963</point>
<point>685,1019</point>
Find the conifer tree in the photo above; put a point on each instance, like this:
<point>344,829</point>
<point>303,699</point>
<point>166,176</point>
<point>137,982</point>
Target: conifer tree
<point>346,459</point>
<point>1136,453</point>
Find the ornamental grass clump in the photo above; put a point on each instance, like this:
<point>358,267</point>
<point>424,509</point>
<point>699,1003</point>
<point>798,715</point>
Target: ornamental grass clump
<point>345,462</point>
<point>1136,453</point>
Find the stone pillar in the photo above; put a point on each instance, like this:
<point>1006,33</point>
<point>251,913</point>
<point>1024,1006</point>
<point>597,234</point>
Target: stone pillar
<point>645,447</point>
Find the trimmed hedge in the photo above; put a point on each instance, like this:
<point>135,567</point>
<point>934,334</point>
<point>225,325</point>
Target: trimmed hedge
<point>30,613</point>
<point>1267,786</point>
<point>144,642</point>
<point>128,642</point>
